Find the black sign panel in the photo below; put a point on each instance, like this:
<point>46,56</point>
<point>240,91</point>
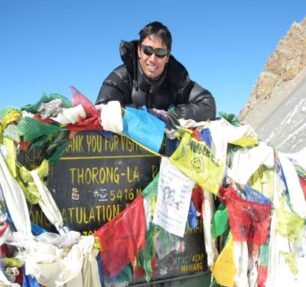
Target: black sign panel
<point>96,178</point>
<point>188,258</point>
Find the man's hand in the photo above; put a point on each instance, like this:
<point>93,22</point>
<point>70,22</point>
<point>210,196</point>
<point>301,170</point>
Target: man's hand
<point>170,118</point>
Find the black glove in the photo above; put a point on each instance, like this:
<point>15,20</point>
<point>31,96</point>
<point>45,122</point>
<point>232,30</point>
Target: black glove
<point>170,118</point>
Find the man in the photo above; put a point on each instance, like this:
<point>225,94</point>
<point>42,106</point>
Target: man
<point>151,76</point>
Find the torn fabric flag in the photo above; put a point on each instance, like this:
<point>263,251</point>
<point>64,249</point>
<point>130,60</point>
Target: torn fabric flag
<point>123,237</point>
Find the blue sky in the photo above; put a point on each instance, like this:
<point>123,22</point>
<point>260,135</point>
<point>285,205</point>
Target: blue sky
<point>47,46</point>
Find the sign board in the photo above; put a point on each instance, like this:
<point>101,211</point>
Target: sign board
<point>96,178</point>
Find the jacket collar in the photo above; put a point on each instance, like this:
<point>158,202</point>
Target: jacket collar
<point>128,53</point>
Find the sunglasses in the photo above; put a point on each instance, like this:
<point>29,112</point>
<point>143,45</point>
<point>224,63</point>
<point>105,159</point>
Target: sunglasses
<point>159,52</point>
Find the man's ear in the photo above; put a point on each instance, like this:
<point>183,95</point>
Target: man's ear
<point>138,51</point>
<point>167,60</point>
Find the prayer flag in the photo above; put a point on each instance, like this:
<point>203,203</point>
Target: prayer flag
<point>173,199</point>
<point>224,269</point>
<point>196,160</point>
<point>92,122</point>
<point>249,221</point>
<point>290,225</point>
<point>220,221</point>
<point>123,237</point>
<point>143,127</point>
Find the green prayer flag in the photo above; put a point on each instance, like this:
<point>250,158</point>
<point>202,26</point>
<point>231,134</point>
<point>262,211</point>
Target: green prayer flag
<point>220,221</point>
<point>47,98</point>
<point>34,130</point>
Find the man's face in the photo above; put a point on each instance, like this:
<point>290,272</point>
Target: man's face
<point>152,65</point>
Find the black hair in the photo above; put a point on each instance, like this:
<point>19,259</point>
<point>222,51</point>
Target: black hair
<point>158,29</point>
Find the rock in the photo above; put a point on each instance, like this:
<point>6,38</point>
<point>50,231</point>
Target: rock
<point>277,105</point>
<point>279,75</point>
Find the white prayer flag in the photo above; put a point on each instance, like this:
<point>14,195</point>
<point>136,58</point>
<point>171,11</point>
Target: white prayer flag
<point>173,199</point>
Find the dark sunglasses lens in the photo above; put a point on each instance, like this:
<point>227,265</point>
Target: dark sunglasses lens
<point>160,53</point>
<point>148,50</point>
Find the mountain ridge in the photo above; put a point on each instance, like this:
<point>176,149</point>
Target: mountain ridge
<point>277,108</point>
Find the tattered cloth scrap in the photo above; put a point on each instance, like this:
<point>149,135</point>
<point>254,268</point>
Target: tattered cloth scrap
<point>14,198</point>
<point>47,203</point>
<point>294,189</point>
<point>70,115</point>
<point>144,128</point>
<point>5,281</point>
<point>196,160</point>
<point>244,136</point>
<point>298,159</point>
<point>123,237</point>
<point>245,162</point>
<point>224,133</point>
<point>53,266</point>
<point>26,182</point>
<point>208,210</point>
<point>173,199</point>
<point>149,200</point>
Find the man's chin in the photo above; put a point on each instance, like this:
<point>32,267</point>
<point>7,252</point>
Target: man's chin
<point>152,75</point>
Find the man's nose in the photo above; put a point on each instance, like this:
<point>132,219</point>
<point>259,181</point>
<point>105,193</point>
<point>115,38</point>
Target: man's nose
<point>153,57</point>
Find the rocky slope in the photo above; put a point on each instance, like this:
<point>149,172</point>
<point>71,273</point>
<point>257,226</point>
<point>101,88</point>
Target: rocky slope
<point>277,105</point>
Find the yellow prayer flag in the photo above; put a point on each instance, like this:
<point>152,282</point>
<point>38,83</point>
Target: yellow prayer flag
<point>11,116</point>
<point>197,161</point>
<point>11,155</point>
<point>246,142</point>
<point>289,225</point>
<point>224,269</point>
<point>290,259</point>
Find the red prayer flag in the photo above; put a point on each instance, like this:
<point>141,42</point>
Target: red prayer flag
<point>91,124</point>
<point>93,115</point>
<point>303,184</point>
<point>249,221</point>
<point>262,276</point>
<point>79,99</point>
<point>197,135</point>
<point>227,192</point>
<point>123,237</point>
<point>24,146</point>
<point>47,121</point>
<point>197,198</point>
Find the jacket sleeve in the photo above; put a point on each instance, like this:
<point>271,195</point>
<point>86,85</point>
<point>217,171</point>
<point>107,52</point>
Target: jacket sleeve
<point>196,103</point>
<point>115,87</point>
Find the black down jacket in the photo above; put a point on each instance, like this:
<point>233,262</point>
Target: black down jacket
<point>129,86</point>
